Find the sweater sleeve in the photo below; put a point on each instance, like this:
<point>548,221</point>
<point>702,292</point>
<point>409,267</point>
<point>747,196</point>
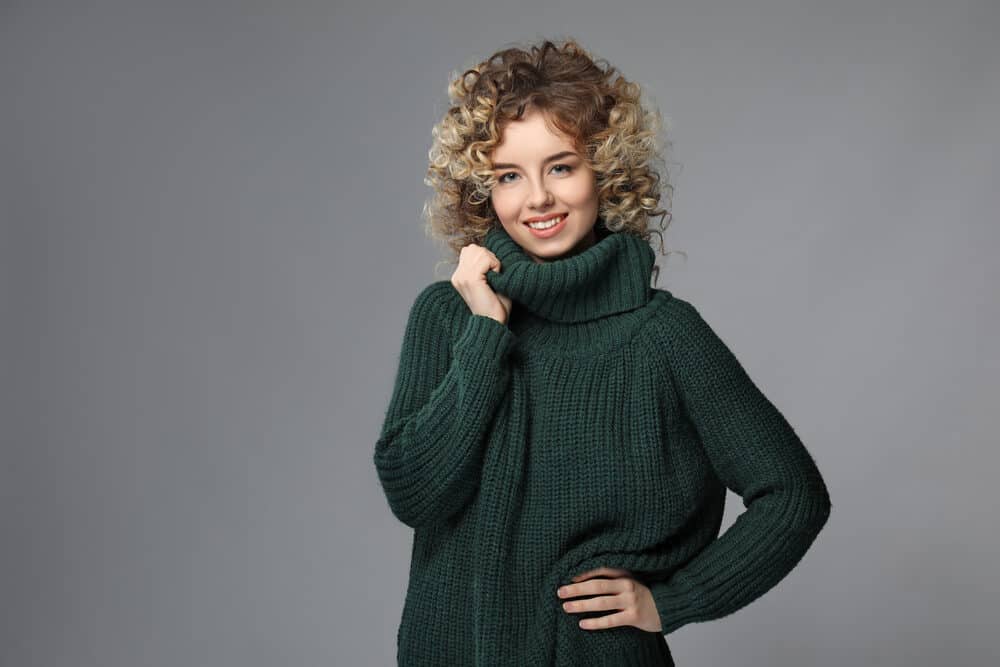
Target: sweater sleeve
<point>755,453</point>
<point>430,448</point>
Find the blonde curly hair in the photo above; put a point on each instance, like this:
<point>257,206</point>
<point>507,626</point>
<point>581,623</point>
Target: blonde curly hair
<point>586,99</point>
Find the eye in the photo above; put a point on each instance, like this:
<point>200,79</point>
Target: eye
<point>568,169</point>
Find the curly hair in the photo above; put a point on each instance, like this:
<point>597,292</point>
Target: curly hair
<point>616,135</point>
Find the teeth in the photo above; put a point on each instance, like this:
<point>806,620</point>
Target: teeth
<point>548,223</point>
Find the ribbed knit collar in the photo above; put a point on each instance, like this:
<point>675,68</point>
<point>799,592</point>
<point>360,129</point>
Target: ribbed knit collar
<point>611,276</point>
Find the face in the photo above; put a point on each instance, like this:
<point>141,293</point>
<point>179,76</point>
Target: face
<point>540,174</point>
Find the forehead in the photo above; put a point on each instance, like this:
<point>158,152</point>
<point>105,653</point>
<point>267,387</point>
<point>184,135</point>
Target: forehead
<point>530,136</point>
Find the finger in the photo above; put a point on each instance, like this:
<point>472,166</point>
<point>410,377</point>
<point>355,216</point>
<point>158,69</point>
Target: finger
<point>611,571</point>
<point>591,587</point>
<point>608,621</point>
<point>494,261</point>
<point>599,603</point>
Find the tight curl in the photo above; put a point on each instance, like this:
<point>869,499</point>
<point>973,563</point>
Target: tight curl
<point>586,99</point>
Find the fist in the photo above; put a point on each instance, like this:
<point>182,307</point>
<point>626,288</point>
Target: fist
<point>469,279</point>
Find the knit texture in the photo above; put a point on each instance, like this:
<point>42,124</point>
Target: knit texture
<point>600,426</point>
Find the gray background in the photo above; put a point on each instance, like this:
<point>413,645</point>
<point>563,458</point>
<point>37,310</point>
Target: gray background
<point>212,235</point>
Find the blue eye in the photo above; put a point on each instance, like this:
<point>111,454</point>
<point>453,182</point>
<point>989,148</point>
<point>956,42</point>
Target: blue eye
<point>501,178</point>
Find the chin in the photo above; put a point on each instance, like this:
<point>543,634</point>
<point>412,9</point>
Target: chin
<point>553,250</point>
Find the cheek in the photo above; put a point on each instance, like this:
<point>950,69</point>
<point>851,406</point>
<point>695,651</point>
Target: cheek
<point>582,193</point>
<point>505,205</point>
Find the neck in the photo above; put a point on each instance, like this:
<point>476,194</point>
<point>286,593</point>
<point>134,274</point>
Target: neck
<point>609,275</point>
<point>587,241</point>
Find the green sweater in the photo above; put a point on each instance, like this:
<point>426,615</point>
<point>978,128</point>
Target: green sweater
<point>600,426</point>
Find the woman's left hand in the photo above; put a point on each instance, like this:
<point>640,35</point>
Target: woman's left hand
<point>622,592</point>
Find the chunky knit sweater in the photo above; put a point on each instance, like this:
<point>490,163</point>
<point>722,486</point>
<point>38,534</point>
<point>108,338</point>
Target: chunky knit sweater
<point>600,426</point>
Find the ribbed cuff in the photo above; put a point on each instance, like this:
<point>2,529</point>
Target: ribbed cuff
<point>675,603</point>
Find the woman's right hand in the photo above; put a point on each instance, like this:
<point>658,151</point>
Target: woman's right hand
<point>469,279</point>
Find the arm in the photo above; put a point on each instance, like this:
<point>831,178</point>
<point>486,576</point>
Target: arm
<point>756,454</point>
<point>430,448</point>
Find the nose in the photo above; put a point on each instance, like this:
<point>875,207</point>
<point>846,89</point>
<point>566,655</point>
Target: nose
<point>540,197</point>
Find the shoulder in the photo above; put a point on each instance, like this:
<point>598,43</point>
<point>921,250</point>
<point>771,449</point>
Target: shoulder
<point>433,296</point>
<point>676,326</point>
<point>441,295</point>
<point>688,341</point>
<point>672,313</point>
<point>438,304</point>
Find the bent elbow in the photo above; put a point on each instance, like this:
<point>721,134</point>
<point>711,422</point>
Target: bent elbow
<point>810,504</point>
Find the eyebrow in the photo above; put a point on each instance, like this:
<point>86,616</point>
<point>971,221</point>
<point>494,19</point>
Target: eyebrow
<point>557,156</point>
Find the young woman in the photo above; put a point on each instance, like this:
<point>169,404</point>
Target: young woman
<point>561,434</point>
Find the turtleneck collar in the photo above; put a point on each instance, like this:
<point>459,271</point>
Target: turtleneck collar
<point>611,276</point>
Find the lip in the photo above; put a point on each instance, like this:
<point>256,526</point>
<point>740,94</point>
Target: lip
<point>543,218</point>
<point>551,231</point>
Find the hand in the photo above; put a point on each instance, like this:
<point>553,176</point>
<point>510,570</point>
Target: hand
<point>622,591</point>
<point>469,279</point>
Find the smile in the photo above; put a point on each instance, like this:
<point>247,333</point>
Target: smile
<point>547,228</point>
<point>546,224</point>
